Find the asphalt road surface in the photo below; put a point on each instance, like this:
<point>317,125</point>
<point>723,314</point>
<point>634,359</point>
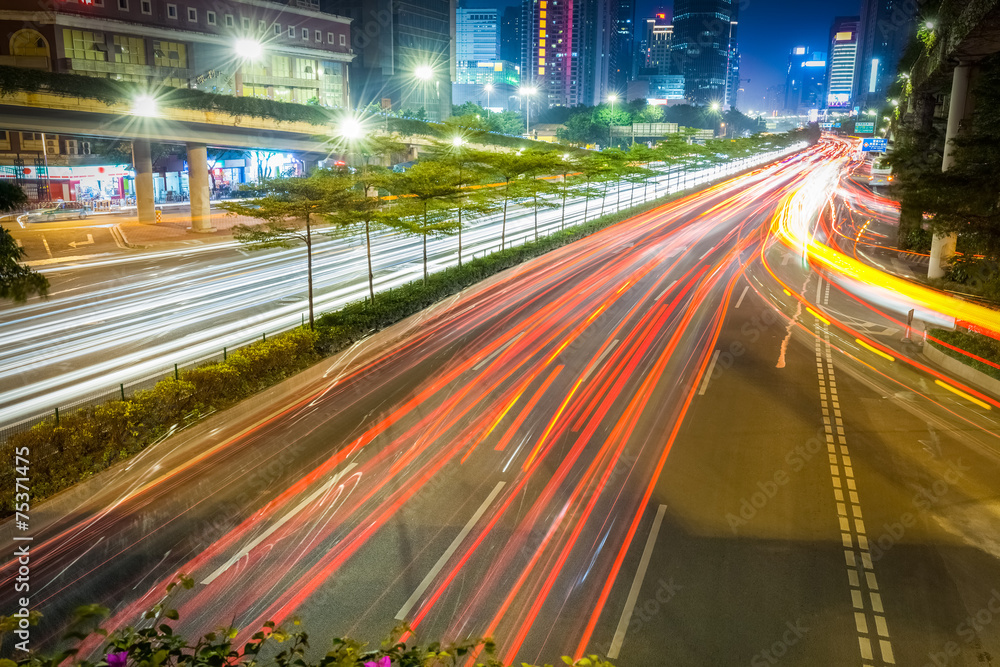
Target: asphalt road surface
<point>675,442</point>
<point>122,316</point>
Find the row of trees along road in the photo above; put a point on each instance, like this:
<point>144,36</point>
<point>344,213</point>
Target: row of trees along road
<point>458,183</point>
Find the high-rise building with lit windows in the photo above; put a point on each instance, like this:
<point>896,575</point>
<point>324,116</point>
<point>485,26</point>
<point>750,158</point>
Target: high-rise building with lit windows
<point>887,26</point>
<point>842,62</point>
<point>568,50</point>
<point>704,49</point>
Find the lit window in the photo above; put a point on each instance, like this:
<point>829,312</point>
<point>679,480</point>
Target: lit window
<point>542,4</point>
<point>541,24</point>
<point>541,42</point>
<point>541,70</point>
<point>541,52</point>
<point>541,14</point>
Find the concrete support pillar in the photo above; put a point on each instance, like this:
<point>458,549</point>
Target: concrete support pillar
<point>959,110</point>
<point>201,207</point>
<point>145,202</point>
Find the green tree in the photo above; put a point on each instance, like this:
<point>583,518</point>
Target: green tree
<point>510,167</point>
<point>288,205</point>
<point>536,188</point>
<point>468,166</point>
<point>17,282</point>
<point>364,206</point>
<point>425,194</point>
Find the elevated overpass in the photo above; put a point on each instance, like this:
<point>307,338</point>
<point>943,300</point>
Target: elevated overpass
<point>197,130</point>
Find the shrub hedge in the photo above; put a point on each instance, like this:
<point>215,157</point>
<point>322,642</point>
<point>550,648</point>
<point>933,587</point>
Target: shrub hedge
<point>977,344</point>
<point>92,439</point>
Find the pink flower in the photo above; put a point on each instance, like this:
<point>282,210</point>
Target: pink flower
<point>384,661</point>
<point>117,659</point>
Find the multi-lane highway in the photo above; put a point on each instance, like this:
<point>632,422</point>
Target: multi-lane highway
<point>689,439</point>
<point>118,317</point>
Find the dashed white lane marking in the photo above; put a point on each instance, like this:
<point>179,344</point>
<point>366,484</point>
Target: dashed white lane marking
<point>47,248</point>
<point>708,373</point>
<point>633,593</point>
<point>739,302</point>
<point>661,294</point>
<point>425,584</point>
<point>278,524</point>
<point>869,619</point>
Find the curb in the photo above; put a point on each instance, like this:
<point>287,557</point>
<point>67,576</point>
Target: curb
<point>120,238</point>
<point>964,371</point>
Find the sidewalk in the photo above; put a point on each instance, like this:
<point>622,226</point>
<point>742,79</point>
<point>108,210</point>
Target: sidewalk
<point>176,229</point>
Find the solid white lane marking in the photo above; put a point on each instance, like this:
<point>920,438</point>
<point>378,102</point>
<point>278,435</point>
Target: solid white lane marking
<point>278,524</point>
<point>742,294</point>
<point>425,584</point>
<point>502,348</point>
<point>708,373</point>
<point>633,594</point>
<point>660,295</point>
<point>599,359</point>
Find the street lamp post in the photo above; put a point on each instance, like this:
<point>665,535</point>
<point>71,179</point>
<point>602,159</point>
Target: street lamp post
<point>611,122</point>
<point>424,73</point>
<point>526,93</point>
<point>247,50</point>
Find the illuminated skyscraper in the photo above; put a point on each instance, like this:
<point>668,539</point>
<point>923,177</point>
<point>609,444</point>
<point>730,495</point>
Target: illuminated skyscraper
<point>842,62</point>
<point>704,49</point>
<point>568,53</point>
<point>886,28</point>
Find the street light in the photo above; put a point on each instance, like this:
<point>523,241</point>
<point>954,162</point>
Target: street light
<point>489,89</point>
<point>350,128</point>
<point>612,97</point>
<point>425,73</point>
<point>246,50</point>
<point>715,106</point>
<point>457,142</point>
<point>527,91</point>
<point>144,105</point>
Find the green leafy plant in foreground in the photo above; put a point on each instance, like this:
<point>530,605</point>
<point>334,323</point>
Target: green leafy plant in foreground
<point>156,644</point>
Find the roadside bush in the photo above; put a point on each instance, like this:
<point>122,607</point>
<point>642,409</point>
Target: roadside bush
<point>155,642</point>
<point>89,440</point>
<point>974,343</point>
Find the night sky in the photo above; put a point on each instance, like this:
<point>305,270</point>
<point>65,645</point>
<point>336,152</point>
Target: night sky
<point>769,29</point>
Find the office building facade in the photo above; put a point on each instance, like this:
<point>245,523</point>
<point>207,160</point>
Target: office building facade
<point>394,41</point>
<point>510,35</point>
<point>704,49</point>
<point>303,53</point>
<point>886,27</point>
<point>568,50</point>
<point>477,35</point>
<point>805,81</point>
<point>841,66</point>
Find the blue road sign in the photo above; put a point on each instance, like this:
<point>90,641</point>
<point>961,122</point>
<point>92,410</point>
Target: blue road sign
<point>874,145</point>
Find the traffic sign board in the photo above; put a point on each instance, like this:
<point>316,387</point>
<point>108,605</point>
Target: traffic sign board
<point>864,128</point>
<point>874,145</point>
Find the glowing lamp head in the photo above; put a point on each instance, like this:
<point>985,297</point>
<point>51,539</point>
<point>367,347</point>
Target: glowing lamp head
<point>528,90</point>
<point>488,88</point>
<point>612,98</point>
<point>248,49</point>
<point>144,105</point>
<point>457,141</point>
<point>350,128</point>
<point>424,73</point>
<point>929,25</point>
<point>715,106</point>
